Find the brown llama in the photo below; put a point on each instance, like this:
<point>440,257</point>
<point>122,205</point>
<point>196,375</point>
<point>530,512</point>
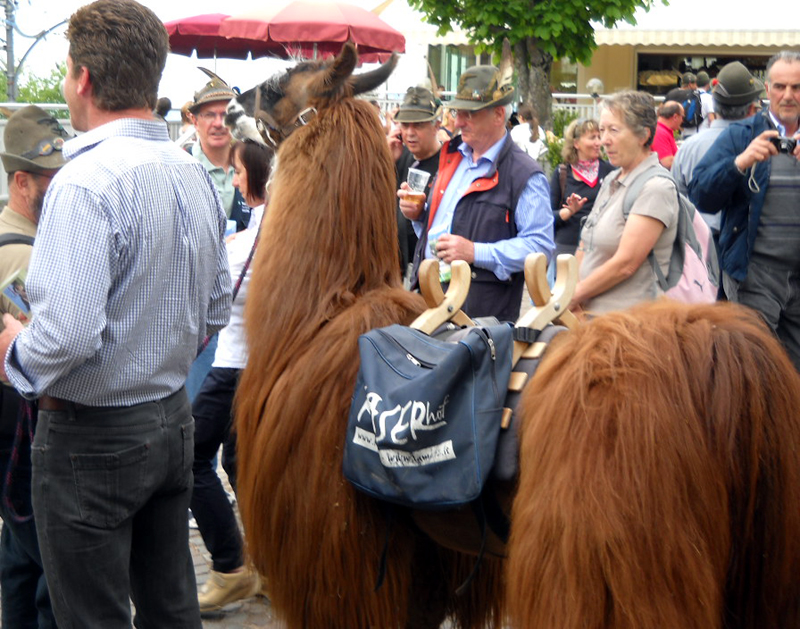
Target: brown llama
<point>660,477</point>
<point>326,271</point>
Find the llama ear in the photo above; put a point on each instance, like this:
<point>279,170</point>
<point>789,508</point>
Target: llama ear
<point>370,80</point>
<point>336,72</point>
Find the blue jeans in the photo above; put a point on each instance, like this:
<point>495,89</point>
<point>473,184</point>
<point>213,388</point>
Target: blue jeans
<point>25,599</point>
<point>775,294</point>
<point>111,487</point>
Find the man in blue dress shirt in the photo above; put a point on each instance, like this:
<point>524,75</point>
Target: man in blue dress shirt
<point>490,203</point>
<point>127,276</point>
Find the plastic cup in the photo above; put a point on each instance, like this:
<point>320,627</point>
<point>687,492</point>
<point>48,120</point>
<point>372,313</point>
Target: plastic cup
<point>417,179</point>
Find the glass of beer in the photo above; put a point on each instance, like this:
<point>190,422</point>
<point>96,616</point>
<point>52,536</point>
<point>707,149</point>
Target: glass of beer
<point>417,180</point>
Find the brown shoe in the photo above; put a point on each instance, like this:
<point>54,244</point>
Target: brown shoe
<point>222,588</point>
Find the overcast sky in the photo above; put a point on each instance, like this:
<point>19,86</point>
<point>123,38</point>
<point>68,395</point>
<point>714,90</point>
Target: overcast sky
<point>181,77</point>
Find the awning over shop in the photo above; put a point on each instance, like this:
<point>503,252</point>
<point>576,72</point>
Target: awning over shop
<point>634,37</point>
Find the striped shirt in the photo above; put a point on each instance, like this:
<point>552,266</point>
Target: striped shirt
<point>128,273</point>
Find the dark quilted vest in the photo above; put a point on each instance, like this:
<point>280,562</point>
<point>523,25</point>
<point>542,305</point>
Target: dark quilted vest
<point>486,214</point>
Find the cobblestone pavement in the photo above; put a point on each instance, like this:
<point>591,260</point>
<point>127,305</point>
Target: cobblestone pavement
<point>254,613</point>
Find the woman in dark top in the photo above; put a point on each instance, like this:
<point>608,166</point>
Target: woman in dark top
<point>576,182</point>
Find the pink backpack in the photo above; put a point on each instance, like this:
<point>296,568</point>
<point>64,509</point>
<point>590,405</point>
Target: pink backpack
<point>693,275</point>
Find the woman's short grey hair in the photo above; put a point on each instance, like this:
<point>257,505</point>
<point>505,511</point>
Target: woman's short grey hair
<point>575,131</point>
<point>637,110</point>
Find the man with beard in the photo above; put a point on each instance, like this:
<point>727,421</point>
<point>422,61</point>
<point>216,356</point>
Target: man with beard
<point>33,141</point>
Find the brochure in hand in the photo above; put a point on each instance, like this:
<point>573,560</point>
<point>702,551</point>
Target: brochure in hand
<point>13,287</point>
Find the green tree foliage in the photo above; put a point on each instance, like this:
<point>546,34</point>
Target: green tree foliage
<point>37,89</point>
<point>538,31</point>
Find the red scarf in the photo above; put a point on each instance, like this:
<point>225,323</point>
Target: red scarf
<point>587,171</point>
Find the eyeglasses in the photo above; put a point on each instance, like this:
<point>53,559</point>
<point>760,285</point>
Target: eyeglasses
<point>44,148</point>
<point>211,116</point>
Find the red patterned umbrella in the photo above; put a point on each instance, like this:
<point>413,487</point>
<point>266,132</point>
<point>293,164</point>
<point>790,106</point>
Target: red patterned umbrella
<point>317,28</point>
<point>200,33</point>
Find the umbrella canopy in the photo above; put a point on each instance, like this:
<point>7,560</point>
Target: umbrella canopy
<point>307,28</point>
<point>200,34</point>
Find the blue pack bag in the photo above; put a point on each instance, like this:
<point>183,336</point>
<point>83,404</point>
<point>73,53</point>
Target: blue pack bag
<point>426,414</point>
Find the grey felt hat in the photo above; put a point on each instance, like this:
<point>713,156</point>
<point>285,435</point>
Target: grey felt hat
<point>33,141</point>
<point>214,91</point>
<point>736,86</point>
<point>419,105</point>
<point>479,88</point>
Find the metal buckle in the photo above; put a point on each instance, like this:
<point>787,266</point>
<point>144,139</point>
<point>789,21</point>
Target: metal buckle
<point>305,116</point>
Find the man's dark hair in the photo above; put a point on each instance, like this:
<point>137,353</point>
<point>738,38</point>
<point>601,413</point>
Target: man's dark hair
<point>124,47</point>
<point>257,160</point>
<point>163,105</point>
<point>732,112</point>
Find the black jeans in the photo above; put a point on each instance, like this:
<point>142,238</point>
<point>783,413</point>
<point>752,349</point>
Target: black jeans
<point>210,506</point>
<point>111,487</point>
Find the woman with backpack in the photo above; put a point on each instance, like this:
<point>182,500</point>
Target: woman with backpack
<point>613,252</point>
<point>576,182</point>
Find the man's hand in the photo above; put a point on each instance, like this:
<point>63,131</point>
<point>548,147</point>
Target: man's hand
<point>411,209</point>
<point>759,150</point>
<point>13,327</point>
<point>395,141</point>
<point>450,247</point>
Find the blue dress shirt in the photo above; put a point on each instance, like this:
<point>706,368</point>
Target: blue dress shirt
<point>533,216</point>
<point>128,273</point>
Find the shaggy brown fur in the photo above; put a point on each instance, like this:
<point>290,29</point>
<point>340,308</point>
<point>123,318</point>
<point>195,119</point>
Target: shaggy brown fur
<point>326,272</point>
<point>660,477</point>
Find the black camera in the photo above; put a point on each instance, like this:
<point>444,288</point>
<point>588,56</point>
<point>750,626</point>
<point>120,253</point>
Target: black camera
<point>784,145</point>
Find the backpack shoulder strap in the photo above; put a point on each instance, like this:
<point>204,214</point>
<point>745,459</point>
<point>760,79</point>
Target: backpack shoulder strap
<point>632,193</point>
<point>15,239</point>
<point>562,180</point>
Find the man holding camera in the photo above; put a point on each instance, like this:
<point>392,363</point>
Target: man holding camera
<point>752,173</point>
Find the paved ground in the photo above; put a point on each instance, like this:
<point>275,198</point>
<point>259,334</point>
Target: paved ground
<point>254,613</point>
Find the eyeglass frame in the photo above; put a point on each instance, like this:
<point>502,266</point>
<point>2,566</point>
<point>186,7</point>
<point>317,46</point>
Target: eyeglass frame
<point>207,115</point>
